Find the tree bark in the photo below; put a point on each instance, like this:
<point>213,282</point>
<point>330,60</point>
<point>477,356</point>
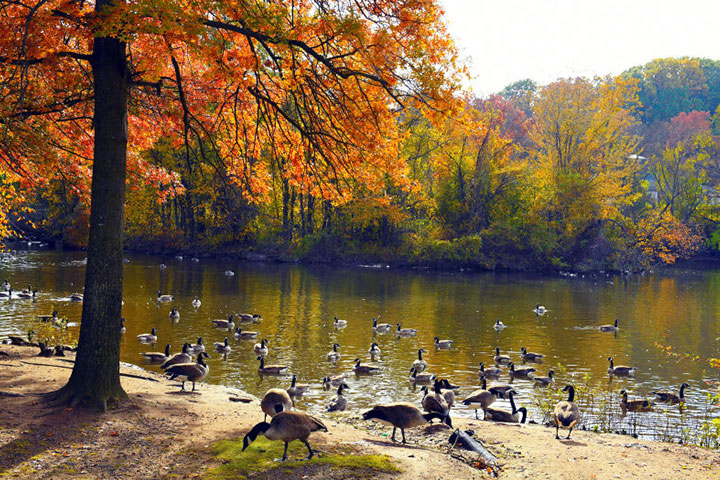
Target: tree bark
<point>95,379</point>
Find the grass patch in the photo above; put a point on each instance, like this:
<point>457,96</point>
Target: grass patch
<point>260,457</point>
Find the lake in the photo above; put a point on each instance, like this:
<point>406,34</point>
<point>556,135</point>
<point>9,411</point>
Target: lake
<point>298,303</point>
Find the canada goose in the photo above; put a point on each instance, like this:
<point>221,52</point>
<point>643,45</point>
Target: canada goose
<point>174,314</point>
<point>339,323</point>
<point>334,380</point>
<point>519,372</point>
<point>199,346</point>
<point>228,324</point>
<point>333,355</point>
<point>499,325</point>
<point>189,372</point>
<point>297,389</point>
<point>500,391</point>
<point>270,369</point>
<point>481,397</point>
<point>567,414</point>
<point>76,297</point>
<point>196,302</point>
<point>53,317</point>
<point>222,347</point>
<point>402,416</point>
<point>249,317</point>
<point>498,415</point>
<point>490,372</point>
<point>45,351</point>
<point>157,357</point>
<point>435,401</point>
<point>501,359</point>
<point>442,343</point>
<point>180,357</point>
<point>672,397</point>
<point>164,297</point>
<point>7,294</point>
<point>229,273</point>
<point>405,332</point>
<point>448,392</point>
<point>122,326</point>
<point>419,365</point>
<point>531,356</point>
<point>163,266</point>
<point>421,377</point>
<point>25,294</point>
<point>195,260</point>
<point>338,403</point>
<point>286,426</point>
<point>244,335</point>
<point>540,309</point>
<point>374,349</point>
<point>638,405</point>
<point>609,328</point>
<point>274,401</point>
<point>29,289</point>
<point>261,348</point>
<point>365,369</point>
<point>6,285</point>
<point>148,337</point>
<point>381,327</point>
<point>545,380</point>
<point>620,369</point>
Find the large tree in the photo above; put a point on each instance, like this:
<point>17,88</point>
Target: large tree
<point>313,85</point>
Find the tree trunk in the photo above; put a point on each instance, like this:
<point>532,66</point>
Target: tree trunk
<point>95,379</point>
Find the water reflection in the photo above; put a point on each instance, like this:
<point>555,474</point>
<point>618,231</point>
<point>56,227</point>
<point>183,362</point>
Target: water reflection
<point>293,311</point>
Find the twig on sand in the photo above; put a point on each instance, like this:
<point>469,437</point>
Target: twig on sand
<point>130,375</point>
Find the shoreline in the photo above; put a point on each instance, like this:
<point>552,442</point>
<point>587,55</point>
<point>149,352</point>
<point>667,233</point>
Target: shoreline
<point>37,441</point>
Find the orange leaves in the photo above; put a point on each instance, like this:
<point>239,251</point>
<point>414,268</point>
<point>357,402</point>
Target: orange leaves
<point>661,237</point>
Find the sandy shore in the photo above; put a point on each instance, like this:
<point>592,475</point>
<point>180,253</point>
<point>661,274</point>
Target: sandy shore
<point>164,433</point>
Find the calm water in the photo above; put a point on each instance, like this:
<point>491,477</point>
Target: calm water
<point>298,305</point>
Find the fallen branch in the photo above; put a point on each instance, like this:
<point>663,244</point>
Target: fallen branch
<point>11,394</point>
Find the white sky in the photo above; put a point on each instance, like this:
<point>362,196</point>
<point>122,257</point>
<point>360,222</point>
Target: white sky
<point>509,40</point>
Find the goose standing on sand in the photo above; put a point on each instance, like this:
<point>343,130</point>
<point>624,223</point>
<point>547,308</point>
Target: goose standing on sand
<point>672,397</point>
<point>286,426</point>
<point>420,365</point>
<point>435,401</point>
<point>448,391</point>
<point>609,328</point>
<point>402,416</point>
<point>566,413</point>
<point>381,327</point>
<point>189,372</point>
<point>261,348</point>
<point>157,357</point>
<point>274,401</point>
<point>333,355</point>
<point>164,297</point>
<point>619,369</point>
<point>480,398</point>
<point>339,402</point>
<point>148,337</point>
<point>499,415</point>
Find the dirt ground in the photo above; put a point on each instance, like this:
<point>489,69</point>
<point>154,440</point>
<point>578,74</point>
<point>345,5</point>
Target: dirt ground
<point>163,433</point>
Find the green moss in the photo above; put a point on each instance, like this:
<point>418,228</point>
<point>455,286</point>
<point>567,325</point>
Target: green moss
<point>261,457</point>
